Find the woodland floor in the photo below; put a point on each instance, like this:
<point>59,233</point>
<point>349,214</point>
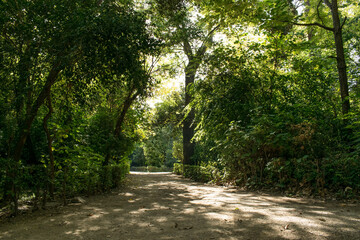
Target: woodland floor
<point>166,206</point>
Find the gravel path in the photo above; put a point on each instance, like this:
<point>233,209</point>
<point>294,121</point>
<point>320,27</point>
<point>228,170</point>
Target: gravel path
<point>165,206</point>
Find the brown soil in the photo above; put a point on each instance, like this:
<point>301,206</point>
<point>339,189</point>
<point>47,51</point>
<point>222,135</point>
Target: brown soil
<point>165,206</point>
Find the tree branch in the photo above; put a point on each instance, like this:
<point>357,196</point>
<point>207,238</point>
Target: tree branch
<point>328,3</point>
<point>333,57</point>
<point>213,30</point>
<point>187,48</point>
<point>186,45</point>
<point>313,24</point>
<point>342,25</point>
<point>201,51</point>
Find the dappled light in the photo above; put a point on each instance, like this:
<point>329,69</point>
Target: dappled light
<point>166,206</point>
<point>179,119</point>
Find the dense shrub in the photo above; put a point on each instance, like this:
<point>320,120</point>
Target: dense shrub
<point>111,176</point>
<point>178,168</point>
<point>119,172</point>
<point>207,173</point>
<point>81,175</point>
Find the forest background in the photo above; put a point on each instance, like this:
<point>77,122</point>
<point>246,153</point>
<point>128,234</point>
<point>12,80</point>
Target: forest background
<point>270,95</point>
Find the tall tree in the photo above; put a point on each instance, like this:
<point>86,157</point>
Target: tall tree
<point>185,27</point>
<point>336,29</point>
<point>52,40</point>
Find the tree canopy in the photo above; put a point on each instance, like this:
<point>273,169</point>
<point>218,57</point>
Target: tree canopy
<point>269,96</point>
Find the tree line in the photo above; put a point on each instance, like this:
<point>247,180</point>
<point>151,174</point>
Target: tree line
<point>70,70</point>
<point>270,95</point>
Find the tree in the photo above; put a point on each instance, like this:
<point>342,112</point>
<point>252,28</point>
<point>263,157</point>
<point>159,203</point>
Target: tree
<point>336,29</point>
<point>162,131</point>
<point>194,35</point>
<point>44,42</point>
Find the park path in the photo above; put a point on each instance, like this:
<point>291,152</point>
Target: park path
<point>166,206</point>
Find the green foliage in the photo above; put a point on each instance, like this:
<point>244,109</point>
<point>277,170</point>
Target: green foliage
<point>119,173</point>
<point>178,168</point>
<point>204,173</point>
<point>271,118</point>
<point>87,62</point>
<point>266,100</point>
<point>162,146</point>
<point>158,148</point>
<point>83,173</point>
<point>138,157</point>
<point>111,176</point>
<point>28,180</point>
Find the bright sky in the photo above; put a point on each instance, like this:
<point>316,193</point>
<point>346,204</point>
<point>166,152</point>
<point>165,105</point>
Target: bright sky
<point>171,84</point>
<point>165,88</point>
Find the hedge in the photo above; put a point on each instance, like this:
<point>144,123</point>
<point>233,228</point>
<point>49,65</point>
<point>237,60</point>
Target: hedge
<point>197,173</point>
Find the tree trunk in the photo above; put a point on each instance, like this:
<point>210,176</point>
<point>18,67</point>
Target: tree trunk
<point>188,127</point>
<point>118,127</point>
<point>64,192</point>
<point>340,57</point>
<point>33,112</point>
<point>310,32</point>
<point>49,143</point>
<point>25,130</point>
<point>195,58</point>
<point>188,123</point>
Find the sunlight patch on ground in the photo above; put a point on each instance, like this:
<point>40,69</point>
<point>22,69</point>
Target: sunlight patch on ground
<point>161,206</point>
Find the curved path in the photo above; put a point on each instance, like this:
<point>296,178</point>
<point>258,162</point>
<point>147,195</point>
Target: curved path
<point>165,206</point>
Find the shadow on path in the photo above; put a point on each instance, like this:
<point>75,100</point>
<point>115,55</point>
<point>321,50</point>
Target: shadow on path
<point>165,206</point>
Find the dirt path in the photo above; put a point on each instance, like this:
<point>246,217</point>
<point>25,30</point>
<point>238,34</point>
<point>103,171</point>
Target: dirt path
<point>165,206</point>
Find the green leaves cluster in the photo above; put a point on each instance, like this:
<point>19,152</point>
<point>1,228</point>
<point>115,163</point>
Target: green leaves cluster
<point>75,70</point>
<point>269,113</point>
<point>162,145</point>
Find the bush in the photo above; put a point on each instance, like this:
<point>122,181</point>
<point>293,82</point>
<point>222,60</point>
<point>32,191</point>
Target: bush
<point>119,173</point>
<point>178,169</point>
<point>106,178</point>
<point>206,173</point>
<point>113,175</point>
